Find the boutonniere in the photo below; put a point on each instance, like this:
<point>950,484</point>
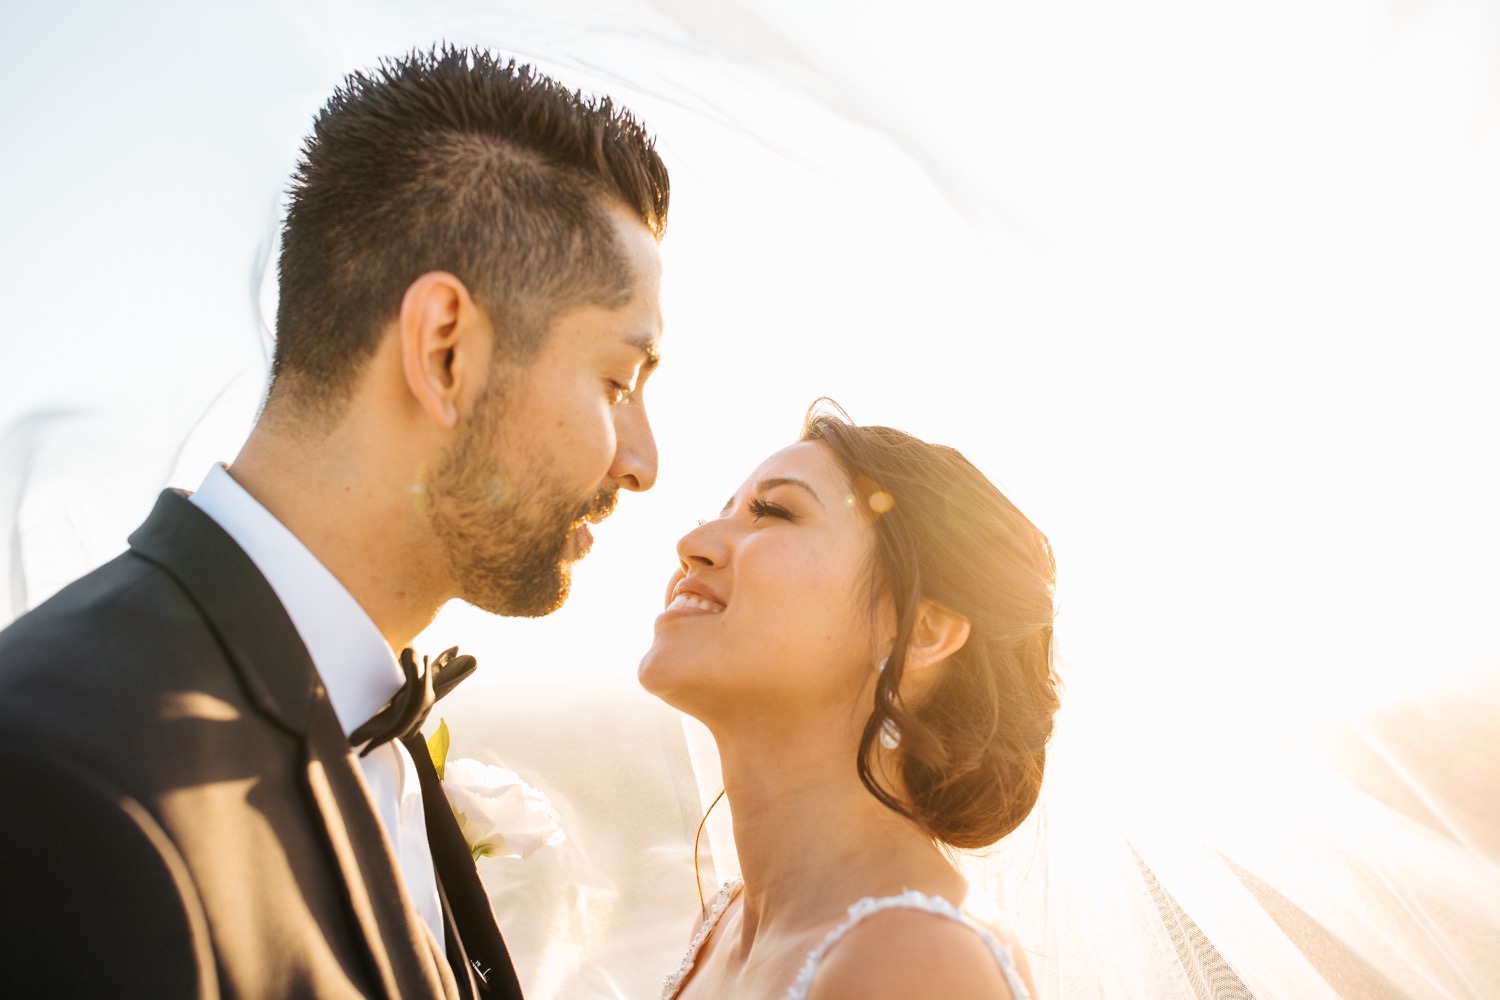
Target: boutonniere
<point>500,815</point>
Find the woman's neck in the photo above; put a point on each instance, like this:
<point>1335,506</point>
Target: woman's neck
<point>812,839</point>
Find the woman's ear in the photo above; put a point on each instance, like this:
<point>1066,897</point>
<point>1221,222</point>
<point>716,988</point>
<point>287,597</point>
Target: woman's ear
<point>938,633</point>
<point>445,345</point>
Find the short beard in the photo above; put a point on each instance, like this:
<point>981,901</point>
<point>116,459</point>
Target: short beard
<point>505,541</point>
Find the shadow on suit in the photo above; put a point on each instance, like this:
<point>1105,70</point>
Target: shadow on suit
<point>185,816</point>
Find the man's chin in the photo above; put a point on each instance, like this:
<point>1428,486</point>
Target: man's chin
<point>534,598</point>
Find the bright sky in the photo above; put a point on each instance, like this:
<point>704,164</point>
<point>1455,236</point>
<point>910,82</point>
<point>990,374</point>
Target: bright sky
<point>1209,290</point>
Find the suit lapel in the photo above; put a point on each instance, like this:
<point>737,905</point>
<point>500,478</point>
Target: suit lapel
<point>357,896</point>
<point>474,939</point>
<point>400,943</point>
<point>279,678</point>
<point>240,606</point>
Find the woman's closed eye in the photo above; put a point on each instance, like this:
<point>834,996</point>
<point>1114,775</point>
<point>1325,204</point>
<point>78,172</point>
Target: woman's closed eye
<point>764,508</point>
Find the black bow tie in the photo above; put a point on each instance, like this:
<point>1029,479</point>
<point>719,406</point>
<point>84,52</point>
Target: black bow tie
<point>404,714</point>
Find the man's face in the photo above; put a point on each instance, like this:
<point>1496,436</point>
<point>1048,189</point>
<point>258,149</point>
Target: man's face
<point>547,450</point>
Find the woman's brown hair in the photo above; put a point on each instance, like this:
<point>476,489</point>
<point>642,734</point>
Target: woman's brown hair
<point>973,749</point>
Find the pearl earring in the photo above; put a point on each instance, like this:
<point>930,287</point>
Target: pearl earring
<point>890,735</point>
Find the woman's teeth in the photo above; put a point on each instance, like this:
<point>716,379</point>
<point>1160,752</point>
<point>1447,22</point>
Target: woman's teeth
<point>696,602</point>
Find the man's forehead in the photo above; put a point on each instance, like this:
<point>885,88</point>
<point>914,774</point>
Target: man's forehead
<point>635,326</point>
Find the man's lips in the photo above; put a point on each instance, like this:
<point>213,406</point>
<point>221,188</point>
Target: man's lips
<point>601,506</point>
<point>583,540</point>
<point>598,509</point>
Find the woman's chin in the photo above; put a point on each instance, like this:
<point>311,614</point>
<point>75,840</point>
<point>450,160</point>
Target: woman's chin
<point>651,673</point>
<point>673,682</point>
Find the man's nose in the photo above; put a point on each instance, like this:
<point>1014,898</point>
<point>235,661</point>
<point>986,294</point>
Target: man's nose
<point>635,450</point>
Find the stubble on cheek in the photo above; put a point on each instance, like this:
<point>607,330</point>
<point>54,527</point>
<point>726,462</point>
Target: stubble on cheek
<point>502,553</point>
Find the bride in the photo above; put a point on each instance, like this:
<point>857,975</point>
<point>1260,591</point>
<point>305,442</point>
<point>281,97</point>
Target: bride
<point>866,629</point>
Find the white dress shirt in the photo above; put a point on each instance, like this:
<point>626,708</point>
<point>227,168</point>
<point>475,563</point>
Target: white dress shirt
<point>358,670</point>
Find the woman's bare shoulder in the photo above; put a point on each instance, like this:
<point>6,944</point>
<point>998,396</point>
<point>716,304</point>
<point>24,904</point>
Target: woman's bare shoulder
<point>986,914</point>
<point>902,953</point>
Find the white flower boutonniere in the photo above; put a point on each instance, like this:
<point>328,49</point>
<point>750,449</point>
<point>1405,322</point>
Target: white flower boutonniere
<point>500,815</point>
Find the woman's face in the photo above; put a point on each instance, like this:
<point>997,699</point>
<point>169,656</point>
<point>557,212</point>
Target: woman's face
<point>768,607</point>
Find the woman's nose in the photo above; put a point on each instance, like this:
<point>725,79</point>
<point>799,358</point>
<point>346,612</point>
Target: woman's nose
<point>705,547</point>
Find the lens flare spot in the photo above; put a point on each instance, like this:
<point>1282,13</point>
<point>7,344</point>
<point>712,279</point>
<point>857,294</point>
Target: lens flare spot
<point>498,492</point>
<point>417,488</point>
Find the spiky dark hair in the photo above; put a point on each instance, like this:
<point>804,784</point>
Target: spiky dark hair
<point>453,160</point>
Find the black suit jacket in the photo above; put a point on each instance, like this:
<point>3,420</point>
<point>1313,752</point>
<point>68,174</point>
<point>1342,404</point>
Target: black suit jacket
<point>182,816</point>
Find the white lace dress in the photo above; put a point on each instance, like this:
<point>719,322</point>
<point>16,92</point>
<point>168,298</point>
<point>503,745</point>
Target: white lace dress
<point>910,900</point>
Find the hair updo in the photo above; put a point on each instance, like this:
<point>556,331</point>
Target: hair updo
<point>972,751</point>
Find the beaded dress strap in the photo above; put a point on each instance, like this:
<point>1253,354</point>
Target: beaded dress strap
<point>673,983</point>
<point>910,900</point>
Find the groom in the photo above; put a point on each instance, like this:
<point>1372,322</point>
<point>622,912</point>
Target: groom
<point>195,805</point>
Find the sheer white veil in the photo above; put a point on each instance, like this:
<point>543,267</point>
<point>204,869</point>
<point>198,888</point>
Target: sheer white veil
<point>1208,292</point>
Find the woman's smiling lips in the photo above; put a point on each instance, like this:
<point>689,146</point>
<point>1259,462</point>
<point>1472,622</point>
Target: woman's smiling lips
<point>691,597</point>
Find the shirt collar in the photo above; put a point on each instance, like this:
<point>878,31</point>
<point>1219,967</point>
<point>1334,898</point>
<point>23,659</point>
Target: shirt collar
<point>352,657</point>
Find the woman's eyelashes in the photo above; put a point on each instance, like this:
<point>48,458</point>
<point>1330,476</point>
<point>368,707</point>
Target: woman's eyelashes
<point>764,508</point>
<point>757,508</point>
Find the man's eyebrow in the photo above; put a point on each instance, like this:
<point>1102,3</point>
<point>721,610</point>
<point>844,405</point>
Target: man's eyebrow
<point>647,346</point>
<point>766,485</point>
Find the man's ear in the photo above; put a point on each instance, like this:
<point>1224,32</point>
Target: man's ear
<point>938,633</point>
<point>445,345</point>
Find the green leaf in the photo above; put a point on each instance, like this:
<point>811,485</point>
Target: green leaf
<point>437,748</point>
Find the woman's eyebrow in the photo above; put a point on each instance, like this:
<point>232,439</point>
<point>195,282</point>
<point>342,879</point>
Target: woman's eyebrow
<point>766,485</point>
